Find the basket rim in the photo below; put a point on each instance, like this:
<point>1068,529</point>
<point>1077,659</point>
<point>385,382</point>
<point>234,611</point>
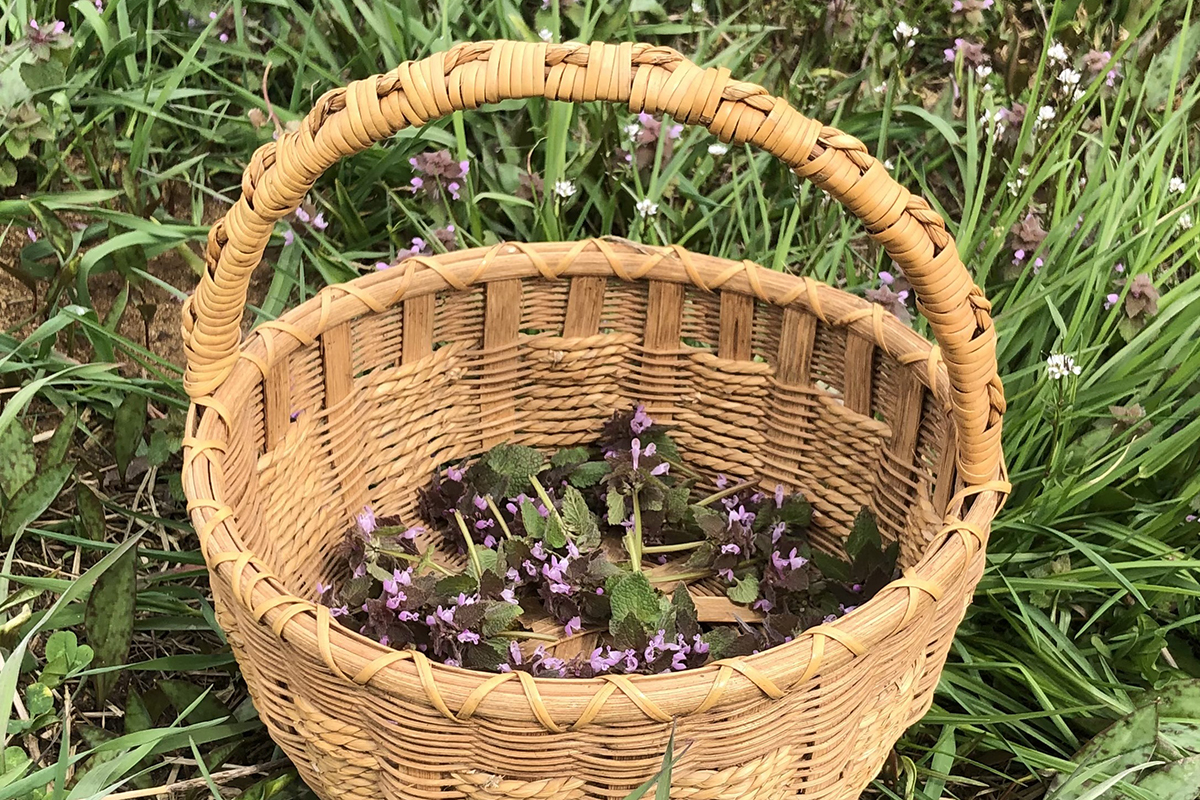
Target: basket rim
<point>944,565</point>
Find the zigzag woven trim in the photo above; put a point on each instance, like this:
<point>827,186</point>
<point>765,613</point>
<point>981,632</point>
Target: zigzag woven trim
<point>289,608</point>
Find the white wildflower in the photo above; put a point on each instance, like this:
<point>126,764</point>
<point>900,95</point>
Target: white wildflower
<point>1184,222</point>
<point>1060,365</point>
<point>1017,184</point>
<point>983,71</point>
<point>1046,113</point>
<point>888,165</point>
<point>564,188</point>
<point>632,130</point>
<point>697,7</point>
<point>1177,185</point>
<point>905,34</point>
<point>881,88</point>
<point>1058,54</point>
<point>1077,95</point>
<point>545,34</point>
<point>717,149</point>
<point>1069,77</point>
<point>646,208</point>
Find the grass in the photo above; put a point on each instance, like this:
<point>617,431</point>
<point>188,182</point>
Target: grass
<point>1090,599</point>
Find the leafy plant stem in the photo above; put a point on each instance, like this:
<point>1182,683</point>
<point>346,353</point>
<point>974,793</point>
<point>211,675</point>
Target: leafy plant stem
<point>471,554</point>
<point>672,548</point>
<point>549,504</point>
<point>499,518</point>
<point>726,492</point>
<point>422,559</point>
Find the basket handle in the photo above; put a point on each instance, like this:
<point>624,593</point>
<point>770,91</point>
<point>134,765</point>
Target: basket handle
<point>655,80</point>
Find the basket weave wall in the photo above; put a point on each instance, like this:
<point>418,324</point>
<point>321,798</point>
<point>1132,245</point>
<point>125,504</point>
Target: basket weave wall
<point>354,398</point>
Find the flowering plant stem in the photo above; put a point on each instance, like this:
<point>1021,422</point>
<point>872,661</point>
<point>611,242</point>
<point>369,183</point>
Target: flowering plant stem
<point>672,548</point>
<point>680,576</point>
<point>496,513</point>
<point>537,637</point>
<point>549,504</point>
<point>633,539</point>
<point>424,559</point>
<point>726,492</point>
<point>471,554</point>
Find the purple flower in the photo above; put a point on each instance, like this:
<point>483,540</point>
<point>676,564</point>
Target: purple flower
<point>340,611</point>
<point>764,605</point>
<point>856,588</point>
<point>635,450</point>
<point>454,187</point>
<point>360,570</point>
<point>288,237</point>
<point>322,588</point>
<point>469,637</point>
<point>454,473</point>
<point>480,503</point>
<point>661,469</point>
<point>726,549</point>
<point>508,596</point>
<point>1111,300</point>
<point>381,265</point>
<point>641,420</point>
<point>539,551</point>
<point>792,561</point>
<point>489,541</point>
<point>407,616</point>
<point>846,609</point>
<point>32,234</point>
<point>512,574</point>
<point>366,520</point>
<point>411,533</point>
<point>722,482</point>
<point>573,625</point>
<point>726,574</point>
<point>777,531</point>
<point>740,516</point>
<point>445,615</point>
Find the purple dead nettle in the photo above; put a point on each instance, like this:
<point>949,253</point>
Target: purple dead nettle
<point>438,171</point>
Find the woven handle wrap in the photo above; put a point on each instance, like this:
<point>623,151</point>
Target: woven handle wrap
<point>655,80</point>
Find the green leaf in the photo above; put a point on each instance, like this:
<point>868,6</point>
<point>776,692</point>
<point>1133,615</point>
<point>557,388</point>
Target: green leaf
<point>108,619</point>
<point>745,591</point>
<point>91,512</point>
<point>553,535</point>
<point>579,519</point>
<point>589,474</point>
<point>500,617</point>
<point>1127,743</point>
<point>1178,780</point>
<point>514,461</point>
<point>570,457</point>
<point>535,523</point>
<point>137,716</point>
<point>719,640</point>
<point>17,460</point>
<point>616,507</point>
<point>16,764</point>
<point>60,442</point>
<point>64,656</point>
<point>128,424</point>
<point>183,694</point>
<point>42,75</point>
<point>1173,60</point>
<point>1179,714</point>
<point>38,699</point>
<point>8,173</point>
<point>32,499</point>
<point>487,561</point>
<point>631,595</point>
<point>831,566</point>
<point>864,534</point>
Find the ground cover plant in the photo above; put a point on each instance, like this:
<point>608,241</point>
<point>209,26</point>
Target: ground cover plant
<point>539,538</point>
<point>1059,140</point>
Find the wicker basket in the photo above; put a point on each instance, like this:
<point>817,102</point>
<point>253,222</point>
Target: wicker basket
<point>759,373</point>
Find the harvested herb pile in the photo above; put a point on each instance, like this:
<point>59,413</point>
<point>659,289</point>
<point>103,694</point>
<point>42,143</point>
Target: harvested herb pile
<point>604,545</point>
